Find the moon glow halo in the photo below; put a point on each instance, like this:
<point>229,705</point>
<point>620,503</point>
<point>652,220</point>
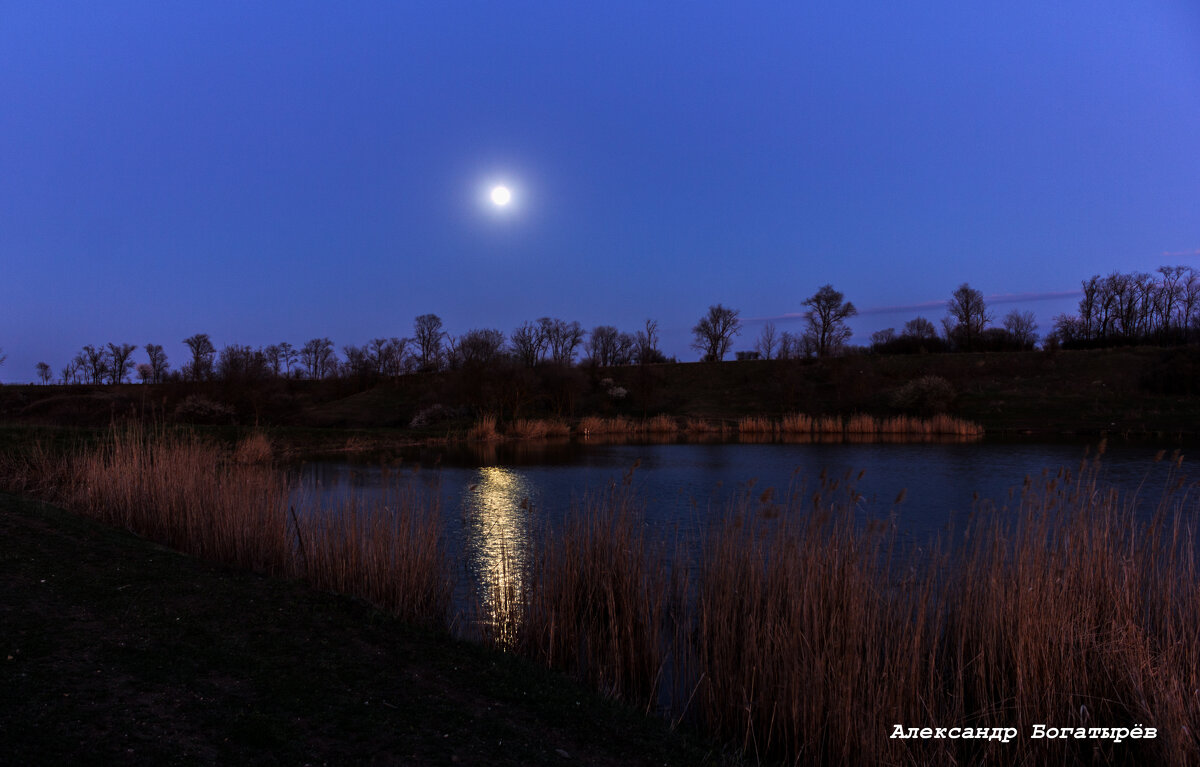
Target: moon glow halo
<point>501,196</point>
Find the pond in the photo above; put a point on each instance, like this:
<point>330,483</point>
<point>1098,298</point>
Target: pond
<point>495,496</point>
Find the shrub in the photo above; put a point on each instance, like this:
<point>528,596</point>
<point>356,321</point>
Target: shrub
<point>927,395</point>
<point>254,449</point>
<point>198,409</point>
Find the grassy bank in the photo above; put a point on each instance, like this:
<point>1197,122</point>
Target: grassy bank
<point>796,633</point>
<point>114,650</point>
<point>1135,391</point>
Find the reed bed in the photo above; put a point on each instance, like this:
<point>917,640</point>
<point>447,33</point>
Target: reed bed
<point>196,497</point>
<point>796,423</point>
<point>703,426</point>
<point>755,425</point>
<point>801,634</point>
<point>937,425</point>
<point>861,425</point>
<point>484,429</point>
<point>390,552</point>
<point>620,425</point>
<point>537,428</point>
<point>256,448</point>
<point>597,605</point>
<point>596,425</point>
<point>794,629</point>
<point>182,492</point>
<point>660,424</point>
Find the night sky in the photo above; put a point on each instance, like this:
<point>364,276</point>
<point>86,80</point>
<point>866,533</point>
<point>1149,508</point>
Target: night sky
<point>281,171</point>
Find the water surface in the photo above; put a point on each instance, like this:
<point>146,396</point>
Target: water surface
<point>496,497</point>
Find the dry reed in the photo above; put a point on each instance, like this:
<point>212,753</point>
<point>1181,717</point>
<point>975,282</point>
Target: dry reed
<point>255,448</point>
<point>660,424</point>
<point>807,637</point>
<point>755,425</point>
<point>537,429</point>
<point>595,425</point>
<point>860,423</point>
<point>703,426</point>
<point>797,632</point>
<point>484,429</point>
<point>597,603</point>
<point>181,491</point>
<point>863,426</point>
<point>796,423</point>
<point>390,552</point>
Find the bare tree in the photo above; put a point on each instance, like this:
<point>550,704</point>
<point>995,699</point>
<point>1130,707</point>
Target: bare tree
<point>1168,297</point>
<point>359,362</point>
<point>203,353</point>
<point>1067,329</point>
<point>1022,327</point>
<point>767,341</point>
<point>387,354</point>
<point>3,356</point>
<point>274,358</point>
<point>826,320</point>
<point>529,343</point>
<point>70,372</point>
<point>607,346</point>
<point>158,362</point>
<point>318,358</point>
<point>881,338</point>
<point>44,372</point>
<point>714,333</point>
<point>562,338</point>
<point>289,355</point>
<point>145,372</point>
<point>428,332</point>
<point>120,361</point>
<point>920,329</point>
<point>1088,307</point>
<point>94,362</point>
<point>645,344</point>
<point>1189,302</point>
<point>238,362</point>
<point>967,316</point>
<point>478,348</point>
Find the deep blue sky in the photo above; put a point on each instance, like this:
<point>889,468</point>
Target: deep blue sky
<point>278,171</point>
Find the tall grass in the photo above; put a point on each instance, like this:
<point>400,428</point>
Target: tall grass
<point>390,552</point>
<point>798,631</point>
<point>597,604</point>
<point>660,424</point>
<point>183,492</point>
<point>537,429</point>
<point>804,634</point>
<point>621,426</point>
<point>863,426</point>
<point>194,496</point>
<point>796,423</point>
<point>484,429</point>
<point>703,427</point>
<point>591,424</point>
<point>256,448</point>
<point>755,425</point>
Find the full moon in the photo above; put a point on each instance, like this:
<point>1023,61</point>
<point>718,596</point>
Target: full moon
<point>501,196</point>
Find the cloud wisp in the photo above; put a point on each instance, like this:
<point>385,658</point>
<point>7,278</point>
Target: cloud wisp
<point>999,298</point>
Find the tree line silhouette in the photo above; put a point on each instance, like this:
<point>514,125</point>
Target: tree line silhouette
<point>1118,309</point>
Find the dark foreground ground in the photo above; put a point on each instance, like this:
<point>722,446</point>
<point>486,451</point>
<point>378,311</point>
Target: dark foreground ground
<point>114,650</point>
